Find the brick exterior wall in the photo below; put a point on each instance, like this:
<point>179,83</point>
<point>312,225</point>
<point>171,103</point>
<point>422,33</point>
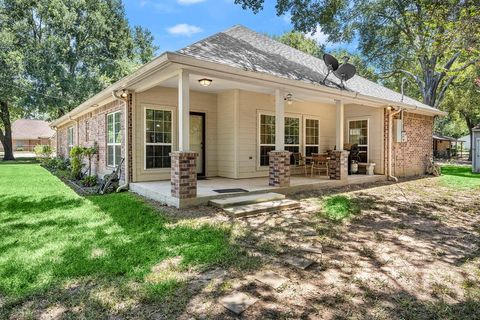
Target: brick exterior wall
<point>279,168</point>
<point>184,174</point>
<point>91,128</point>
<point>338,165</point>
<point>411,158</point>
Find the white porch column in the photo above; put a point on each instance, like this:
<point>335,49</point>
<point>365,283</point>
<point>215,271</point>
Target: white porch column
<point>340,125</point>
<point>184,111</point>
<point>279,121</point>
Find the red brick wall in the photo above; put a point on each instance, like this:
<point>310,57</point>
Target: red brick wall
<point>411,158</point>
<point>92,128</point>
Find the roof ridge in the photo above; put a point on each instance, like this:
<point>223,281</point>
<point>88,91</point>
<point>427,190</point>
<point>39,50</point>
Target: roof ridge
<point>276,41</point>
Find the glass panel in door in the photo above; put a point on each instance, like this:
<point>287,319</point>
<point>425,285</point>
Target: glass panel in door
<point>196,140</point>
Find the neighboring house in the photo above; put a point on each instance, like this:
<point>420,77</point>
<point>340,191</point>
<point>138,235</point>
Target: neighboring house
<point>445,147</point>
<point>27,133</point>
<point>230,106</point>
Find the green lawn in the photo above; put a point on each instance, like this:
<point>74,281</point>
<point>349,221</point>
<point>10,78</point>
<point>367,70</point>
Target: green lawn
<point>459,177</point>
<point>52,237</point>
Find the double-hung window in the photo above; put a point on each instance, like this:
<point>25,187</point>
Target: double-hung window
<point>358,134</point>
<point>114,139</point>
<point>69,140</point>
<point>267,137</point>
<point>158,138</point>
<point>292,135</point>
<point>312,134</point>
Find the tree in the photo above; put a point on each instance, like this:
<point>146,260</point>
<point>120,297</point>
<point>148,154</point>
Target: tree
<point>62,52</point>
<point>432,42</point>
<point>464,99</point>
<point>300,41</point>
<point>11,68</point>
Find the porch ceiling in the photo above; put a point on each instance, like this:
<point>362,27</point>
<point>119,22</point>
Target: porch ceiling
<point>219,85</point>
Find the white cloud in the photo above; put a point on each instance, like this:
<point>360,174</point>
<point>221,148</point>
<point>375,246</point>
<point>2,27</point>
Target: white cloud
<point>184,29</point>
<point>187,2</point>
<point>318,36</point>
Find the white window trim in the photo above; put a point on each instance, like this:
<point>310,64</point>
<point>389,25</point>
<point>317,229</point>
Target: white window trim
<point>304,141</point>
<point>259,144</point>
<point>174,134</point>
<point>261,112</point>
<point>114,144</point>
<point>368,133</point>
<point>70,144</point>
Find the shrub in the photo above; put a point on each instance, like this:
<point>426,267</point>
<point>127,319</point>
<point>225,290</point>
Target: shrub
<point>76,157</point>
<point>43,152</point>
<point>89,181</point>
<point>89,153</point>
<point>55,164</point>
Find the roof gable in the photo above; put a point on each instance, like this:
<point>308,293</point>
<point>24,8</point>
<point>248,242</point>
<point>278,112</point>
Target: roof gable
<point>25,129</point>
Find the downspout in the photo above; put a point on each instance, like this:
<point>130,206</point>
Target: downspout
<point>124,98</point>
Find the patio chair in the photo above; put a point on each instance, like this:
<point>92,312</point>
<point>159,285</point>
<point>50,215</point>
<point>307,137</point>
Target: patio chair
<point>319,163</point>
<point>299,162</point>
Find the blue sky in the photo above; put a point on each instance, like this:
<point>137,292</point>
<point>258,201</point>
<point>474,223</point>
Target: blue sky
<point>178,23</point>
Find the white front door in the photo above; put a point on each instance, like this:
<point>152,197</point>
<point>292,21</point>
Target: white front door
<point>197,136</point>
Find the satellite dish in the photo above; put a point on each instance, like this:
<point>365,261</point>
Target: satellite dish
<point>332,64</point>
<point>345,72</point>
<point>330,61</point>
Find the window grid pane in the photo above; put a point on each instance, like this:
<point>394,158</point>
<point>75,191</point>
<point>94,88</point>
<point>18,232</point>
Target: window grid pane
<point>358,134</point>
<point>312,132</point>
<point>292,131</point>
<point>158,138</point>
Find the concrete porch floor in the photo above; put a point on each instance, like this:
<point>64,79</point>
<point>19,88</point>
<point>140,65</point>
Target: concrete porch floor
<point>160,190</point>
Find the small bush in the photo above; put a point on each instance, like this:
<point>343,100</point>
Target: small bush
<point>56,164</point>
<point>339,208</point>
<point>43,152</point>
<point>76,157</point>
<point>89,181</point>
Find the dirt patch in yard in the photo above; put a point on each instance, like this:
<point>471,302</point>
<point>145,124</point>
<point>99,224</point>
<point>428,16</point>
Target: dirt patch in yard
<point>401,251</point>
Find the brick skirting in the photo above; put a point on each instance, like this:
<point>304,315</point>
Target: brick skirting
<point>184,174</point>
<point>279,168</point>
<point>338,165</point>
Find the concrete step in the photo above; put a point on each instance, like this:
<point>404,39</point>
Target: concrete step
<point>247,199</point>
<point>255,208</point>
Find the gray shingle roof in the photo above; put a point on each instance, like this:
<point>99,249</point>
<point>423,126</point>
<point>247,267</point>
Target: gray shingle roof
<point>246,49</point>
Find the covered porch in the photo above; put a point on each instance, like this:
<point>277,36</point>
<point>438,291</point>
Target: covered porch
<point>239,133</point>
<point>161,190</point>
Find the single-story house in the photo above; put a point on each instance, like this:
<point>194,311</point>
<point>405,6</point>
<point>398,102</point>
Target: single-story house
<point>27,133</point>
<point>227,111</point>
<point>445,147</point>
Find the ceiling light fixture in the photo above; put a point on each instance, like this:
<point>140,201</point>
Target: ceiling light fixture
<point>289,98</point>
<point>205,82</point>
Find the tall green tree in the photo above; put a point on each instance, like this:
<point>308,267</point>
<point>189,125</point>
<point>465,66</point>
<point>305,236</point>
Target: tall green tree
<point>70,50</point>
<point>432,42</point>
<point>300,41</point>
<point>464,99</point>
<point>11,69</point>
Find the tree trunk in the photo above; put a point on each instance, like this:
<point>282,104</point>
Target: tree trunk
<point>6,137</point>
<point>470,129</point>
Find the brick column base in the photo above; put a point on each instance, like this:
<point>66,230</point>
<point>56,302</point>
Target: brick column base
<point>184,174</point>
<point>338,165</point>
<point>279,168</point>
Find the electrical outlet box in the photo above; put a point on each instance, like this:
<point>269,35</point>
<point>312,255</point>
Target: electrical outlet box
<point>397,130</point>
